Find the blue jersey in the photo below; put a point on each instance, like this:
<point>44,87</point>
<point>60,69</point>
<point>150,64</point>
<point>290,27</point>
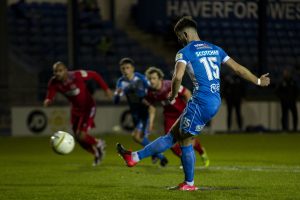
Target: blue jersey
<point>203,62</point>
<point>135,90</point>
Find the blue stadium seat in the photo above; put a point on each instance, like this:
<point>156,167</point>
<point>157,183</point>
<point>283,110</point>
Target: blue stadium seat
<point>43,40</point>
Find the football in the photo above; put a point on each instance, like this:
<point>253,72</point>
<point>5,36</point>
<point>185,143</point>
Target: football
<point>62,142</point>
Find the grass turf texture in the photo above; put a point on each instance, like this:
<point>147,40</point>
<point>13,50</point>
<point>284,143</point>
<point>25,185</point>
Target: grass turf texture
<point>242,167</point>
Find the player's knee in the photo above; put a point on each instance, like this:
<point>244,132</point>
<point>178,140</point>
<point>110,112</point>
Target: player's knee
<point>187,140</point>
<point>137,137</point>
<point>175,133</point>
<point>170,137</point>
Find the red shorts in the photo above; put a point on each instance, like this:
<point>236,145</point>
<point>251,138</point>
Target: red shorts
<point>168,122</point>
<point>83,121</point>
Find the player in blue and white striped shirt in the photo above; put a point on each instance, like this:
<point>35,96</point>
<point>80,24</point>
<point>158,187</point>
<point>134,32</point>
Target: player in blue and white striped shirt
<point>135,87</point>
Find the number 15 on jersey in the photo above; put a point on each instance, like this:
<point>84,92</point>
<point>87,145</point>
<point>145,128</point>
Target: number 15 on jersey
<point>211,68</point>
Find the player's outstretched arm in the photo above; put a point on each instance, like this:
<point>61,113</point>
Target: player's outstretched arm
<point>51,92</point>
<point>97,77</point>
<point>109,93</point>
<point>243,72</point>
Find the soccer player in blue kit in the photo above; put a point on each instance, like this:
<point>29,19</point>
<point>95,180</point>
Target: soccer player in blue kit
<point>202,61</point>
<point>135,86</point>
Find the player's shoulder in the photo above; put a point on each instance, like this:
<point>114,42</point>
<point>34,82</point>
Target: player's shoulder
<point>79,73</point>
<point>139,75</point>
<point>120,79</point>
<point>213,46</point>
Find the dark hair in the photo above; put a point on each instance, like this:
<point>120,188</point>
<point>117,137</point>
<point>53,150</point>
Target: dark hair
<point>185,22</point>
<point>152,70</point>
<point>126,61</point>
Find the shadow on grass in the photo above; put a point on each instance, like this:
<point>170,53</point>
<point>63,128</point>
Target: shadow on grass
<point>210,188</point>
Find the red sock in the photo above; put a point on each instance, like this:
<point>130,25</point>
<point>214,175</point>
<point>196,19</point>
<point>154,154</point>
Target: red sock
<point>90,139</point>
<point>87,142</point>
<point>86,146</point>
<point>197,146</point>
<point>176,150</point>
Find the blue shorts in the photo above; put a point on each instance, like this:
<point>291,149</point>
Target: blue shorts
<point>195,116</point>
<point>141,123</point>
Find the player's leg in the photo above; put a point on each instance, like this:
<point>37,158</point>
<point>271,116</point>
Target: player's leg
<point>192,122</point>
<point>144,129</point>
<point>137,137</point>
<point>137,134</point>
<point>81,125</point>
<point>76,124</point>
<point>188,160</point>
<point>159,145</point>
<point>168,123</point>
<point>97,144</point>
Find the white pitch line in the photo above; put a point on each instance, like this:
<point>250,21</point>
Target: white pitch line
<point>272,168</point>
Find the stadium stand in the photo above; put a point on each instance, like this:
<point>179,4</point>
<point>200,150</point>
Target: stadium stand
<point>38,38</point>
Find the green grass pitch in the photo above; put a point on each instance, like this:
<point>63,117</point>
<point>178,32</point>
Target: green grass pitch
<point>252,166</point>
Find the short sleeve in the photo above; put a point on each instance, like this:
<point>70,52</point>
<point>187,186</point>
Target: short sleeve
<point>119,86</point>
<point>181,57</point>
<point>223,55</point>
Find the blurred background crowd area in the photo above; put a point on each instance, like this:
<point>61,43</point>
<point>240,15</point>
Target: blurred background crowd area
<point>262,35</point>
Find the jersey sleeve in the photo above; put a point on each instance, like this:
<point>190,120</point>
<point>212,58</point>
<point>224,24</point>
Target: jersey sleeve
<point>87,75</point>
<point>51,91</point>
<point>223,55</point>
<point>119,87</point>
<point>181,57</point>
<point>119,84</point>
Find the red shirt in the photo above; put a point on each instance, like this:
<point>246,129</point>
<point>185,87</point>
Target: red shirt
<point>174,108</point>
<point>75,90</point>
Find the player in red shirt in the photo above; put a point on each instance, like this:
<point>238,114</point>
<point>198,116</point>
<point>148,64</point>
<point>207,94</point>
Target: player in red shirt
<point>72,85</point>
<point>159,94</point>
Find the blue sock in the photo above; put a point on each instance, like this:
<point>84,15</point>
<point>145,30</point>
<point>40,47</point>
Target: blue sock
<point>188,162</point>
<point>159,145</point>
<point>147,141</point>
